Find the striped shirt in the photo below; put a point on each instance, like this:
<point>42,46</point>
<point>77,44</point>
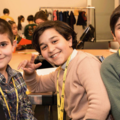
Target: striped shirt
<point>24,105</point>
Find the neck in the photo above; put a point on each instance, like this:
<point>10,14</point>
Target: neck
<point>6,14</point>
<point>3,72</point>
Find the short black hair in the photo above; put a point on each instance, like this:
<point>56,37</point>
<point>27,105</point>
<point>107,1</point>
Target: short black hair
<point>41,15</point>
<point>61,27</point>
<point>114,18</point>
<point>30,18</point>
<point>5,28</point>
<point>6,11</point>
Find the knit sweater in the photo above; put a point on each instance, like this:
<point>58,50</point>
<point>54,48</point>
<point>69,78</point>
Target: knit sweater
<point>110,73</point>
<point>85,94</point>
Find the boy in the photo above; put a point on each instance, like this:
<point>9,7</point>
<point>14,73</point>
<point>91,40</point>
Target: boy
<point>13,98</point>
<point>110,69</point>
<point>77,81</point>
<point>28,32</point>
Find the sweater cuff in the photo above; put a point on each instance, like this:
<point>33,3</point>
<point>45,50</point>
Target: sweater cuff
<point>27,77</point>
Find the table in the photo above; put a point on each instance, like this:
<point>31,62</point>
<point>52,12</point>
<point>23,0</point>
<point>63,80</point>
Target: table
<point>19,56</point>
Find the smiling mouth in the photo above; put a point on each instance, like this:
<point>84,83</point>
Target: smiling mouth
<point>55,55</point>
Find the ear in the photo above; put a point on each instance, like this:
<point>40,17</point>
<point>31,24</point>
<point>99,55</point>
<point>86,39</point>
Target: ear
<point>70,41</point>
<point>14,45</point>
<point>114,37</point>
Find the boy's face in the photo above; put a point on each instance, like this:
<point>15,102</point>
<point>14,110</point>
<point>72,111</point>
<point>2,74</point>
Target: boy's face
<point>14,29</point>
<point>117,32</point>
<point>6,49</point>
<point>54,47</point>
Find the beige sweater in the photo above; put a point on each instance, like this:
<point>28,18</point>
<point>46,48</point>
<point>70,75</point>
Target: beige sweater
<point>85,94</point>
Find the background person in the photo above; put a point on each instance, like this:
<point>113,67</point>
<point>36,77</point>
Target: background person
<point>21,25</point>
<point>28,31</point>
<point>16,36</point>
<point>6,16</point>
<point>40,17</point>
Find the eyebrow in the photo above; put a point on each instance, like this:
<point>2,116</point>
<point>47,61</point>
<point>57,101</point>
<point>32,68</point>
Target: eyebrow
<point>49,39</point>
<point>4,41</point>
<point>117,24</point>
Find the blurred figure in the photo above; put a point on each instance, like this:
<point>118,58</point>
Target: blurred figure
<point>21,25</point>
<point>28,31</point>
<point>6,16</point>
<point>16,36</point>
<point>40,16</point>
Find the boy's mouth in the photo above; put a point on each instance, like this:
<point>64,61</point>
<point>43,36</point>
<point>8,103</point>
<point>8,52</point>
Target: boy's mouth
<point>55,55</point>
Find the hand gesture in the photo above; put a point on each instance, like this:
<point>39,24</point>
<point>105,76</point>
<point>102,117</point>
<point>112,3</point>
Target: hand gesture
<point>28,66</point>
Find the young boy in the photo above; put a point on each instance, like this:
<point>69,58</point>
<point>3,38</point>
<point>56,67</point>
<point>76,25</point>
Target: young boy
<point>13,98</point>
<point>110,69</point>
<point>77,80</point>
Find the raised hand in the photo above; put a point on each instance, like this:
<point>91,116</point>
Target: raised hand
<point>28,66</point>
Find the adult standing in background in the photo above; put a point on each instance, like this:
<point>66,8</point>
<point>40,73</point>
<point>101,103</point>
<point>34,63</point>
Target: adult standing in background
<point>21,25</point>
<point>6,16</point>
<point>40,16</point>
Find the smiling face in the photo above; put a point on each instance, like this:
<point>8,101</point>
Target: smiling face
<point>117,31</point>
<point>6,49</point>
<point>54,47</point>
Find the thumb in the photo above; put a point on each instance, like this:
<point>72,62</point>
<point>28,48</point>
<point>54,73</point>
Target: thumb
<point>38,65</point>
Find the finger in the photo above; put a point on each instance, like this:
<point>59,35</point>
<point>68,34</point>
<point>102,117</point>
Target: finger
<point>38,65</point>
<point>32,58</point>
<point>22,64</point>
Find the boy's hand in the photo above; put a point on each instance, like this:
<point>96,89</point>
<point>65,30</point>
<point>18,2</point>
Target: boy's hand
<point>28,66</point>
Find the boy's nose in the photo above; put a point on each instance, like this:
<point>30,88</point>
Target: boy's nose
<point>0,51</point>
<point>51,48</point>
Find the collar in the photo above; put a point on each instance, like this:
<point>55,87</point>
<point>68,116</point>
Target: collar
<point>72,56</point>
<point>10,73</point>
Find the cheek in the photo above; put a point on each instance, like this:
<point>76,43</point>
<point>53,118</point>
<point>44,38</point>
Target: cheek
<point>44,54</point>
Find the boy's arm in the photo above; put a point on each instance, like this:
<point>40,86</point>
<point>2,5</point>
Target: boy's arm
<point>89,77</point>
<point>111,80</point>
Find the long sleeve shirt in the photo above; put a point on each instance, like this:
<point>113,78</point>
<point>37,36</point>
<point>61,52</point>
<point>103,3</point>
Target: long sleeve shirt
<point>110,73</point>
<point>24,105</point>
<point>85,93</point>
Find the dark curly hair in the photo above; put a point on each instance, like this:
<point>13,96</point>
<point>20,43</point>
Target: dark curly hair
<point>61,27</point>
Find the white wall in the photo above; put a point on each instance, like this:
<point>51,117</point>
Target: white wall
<point>103,9</point>
<point>117,2</point>
<point>27,7</point>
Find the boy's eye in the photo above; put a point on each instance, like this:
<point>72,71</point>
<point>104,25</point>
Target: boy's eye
<point>44,47</point>
<point>3,44</point>
<point>54,41</point>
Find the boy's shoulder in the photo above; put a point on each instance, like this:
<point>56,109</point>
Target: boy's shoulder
<point>84,55</point>
<point>112,59</point>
